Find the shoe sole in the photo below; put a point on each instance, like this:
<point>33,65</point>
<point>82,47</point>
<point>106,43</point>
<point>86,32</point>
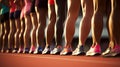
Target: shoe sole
<point>94,54</point>
<point>80,54</point>
<point>46,53</point>
<point>58,53</point>
<point>115,55</point>
<point>69,53</point>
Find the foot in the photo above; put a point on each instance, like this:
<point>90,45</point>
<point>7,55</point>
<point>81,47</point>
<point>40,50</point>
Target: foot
<point>114,52</point>
<point>20,50</point>
<point>66,51</point>
<point>26,50</point>
<point>94,50</point>
<point>46,50</point>
<point>56,50</point>
<point>2,50</point>
<point>9,50</point>
<point>79,51</point>
<point>108,50</point>
<point>32,49</point>
<point>38,50</point>
<point>15,50</point>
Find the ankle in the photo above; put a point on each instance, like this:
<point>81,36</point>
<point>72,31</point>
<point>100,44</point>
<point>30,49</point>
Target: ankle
<point>68,46</point>
<point>58,46</point>
<point>80,46</point>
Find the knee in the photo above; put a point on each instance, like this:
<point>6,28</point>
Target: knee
<point>20,35</point>
<point>6,32</point>
<point>24,35</point>
<point>71,18</point>
<point>18,30</point>
<point>3,37</point>
<point>9,36</point>
<point>15,35</point>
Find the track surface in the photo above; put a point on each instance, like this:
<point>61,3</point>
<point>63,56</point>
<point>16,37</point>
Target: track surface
<point>30,60</point>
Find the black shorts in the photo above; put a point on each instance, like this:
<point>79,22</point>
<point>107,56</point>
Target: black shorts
<point>42,3</point>
<point>4,17</point>
<point>11,15</point>
<point>17,14</point>
<point>33,6</point>
<point>0,19</point>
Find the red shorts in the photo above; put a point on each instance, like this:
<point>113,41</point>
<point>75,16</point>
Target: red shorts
<point>51,2</point>
<point>12,6</point>
<point>12,9</point>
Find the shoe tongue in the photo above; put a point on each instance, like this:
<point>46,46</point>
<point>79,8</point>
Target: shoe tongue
<point>39,49</point>
<point>26,49</point>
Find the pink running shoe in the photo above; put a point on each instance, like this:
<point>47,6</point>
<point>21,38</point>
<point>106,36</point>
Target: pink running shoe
<point>20,50</point>
<point>116,49</point>
<point>32,49</point>
<point>95,50</point>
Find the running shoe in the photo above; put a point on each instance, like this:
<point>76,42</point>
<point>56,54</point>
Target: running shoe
<point>9,50</point>
<point>56,50</point>
<point>94,50</point>
<point>15,50</point>
<point>2,50</point>
<point>46,50</point>
<point>108,50</point>
<point>32,49</point>
<point>114,52</point>
<point>66,51</point>
<point>38,50</point>
<point>79,51</point>
<point>26,50</point>
<point>20,50</point>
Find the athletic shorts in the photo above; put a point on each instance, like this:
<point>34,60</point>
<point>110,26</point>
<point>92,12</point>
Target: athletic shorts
<point>0,19</point>
<point>51,2</point>
<point>11,15</point>
<point>26,10</point>
<point>4,17</point>
<point>33,6</point>
<point>12,6</point>
<point>42,3</point>
<point>17,14</point>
